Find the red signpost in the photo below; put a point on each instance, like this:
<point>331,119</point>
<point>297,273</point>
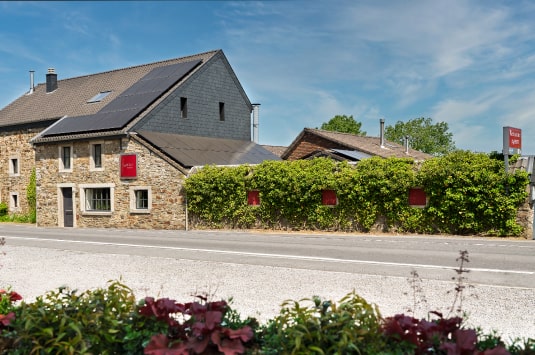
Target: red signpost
<point>512,143</point>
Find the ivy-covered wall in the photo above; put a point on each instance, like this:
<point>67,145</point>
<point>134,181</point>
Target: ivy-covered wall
<point>468,193</point>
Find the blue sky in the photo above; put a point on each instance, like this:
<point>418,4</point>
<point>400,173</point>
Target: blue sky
<point>469,63</point>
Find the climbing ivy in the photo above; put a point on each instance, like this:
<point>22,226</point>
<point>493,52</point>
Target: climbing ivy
<point>468,193</point>
<point>31,197</point>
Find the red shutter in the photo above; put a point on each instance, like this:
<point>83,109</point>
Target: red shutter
<point>328,198</point>
<point>253,198</point>
<point>417,197</point>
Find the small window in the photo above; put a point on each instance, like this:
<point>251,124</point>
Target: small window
<point>253,198</point>
<point>99,97</point>
<point>221,111</point>
<point>183,107</point>
<point>328,198</point>
<point>65,158</point>
<point>417,198</point>
<point>96,156</point>
<point>140,199</point>
<point>14,201</point>
<point>97,199</point>
<point>14,168</point>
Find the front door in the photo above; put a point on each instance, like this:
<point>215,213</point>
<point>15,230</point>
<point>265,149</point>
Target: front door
<point>67,207</point>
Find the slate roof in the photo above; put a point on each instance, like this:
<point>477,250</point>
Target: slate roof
<point>278,150</point>
<point>190,151</point>
<point>364,144</point>
<point>71,96</point>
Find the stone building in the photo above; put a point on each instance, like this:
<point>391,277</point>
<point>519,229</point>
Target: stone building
<point>112,149</point>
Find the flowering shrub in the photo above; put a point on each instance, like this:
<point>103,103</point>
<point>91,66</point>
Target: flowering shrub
<point>7,299</point>
<point>194,328</point>
<point>443,335</point>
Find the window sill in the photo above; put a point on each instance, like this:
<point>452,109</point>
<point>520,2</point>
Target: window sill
<point>96,213</point>
<point>140,211</point>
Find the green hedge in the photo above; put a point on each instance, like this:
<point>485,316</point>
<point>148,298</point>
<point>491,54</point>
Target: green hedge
<point>468,193</point>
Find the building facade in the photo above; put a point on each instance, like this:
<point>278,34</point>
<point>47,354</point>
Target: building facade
<point>113,149</point>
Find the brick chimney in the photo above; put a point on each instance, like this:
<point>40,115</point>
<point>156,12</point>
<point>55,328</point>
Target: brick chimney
<point>51,80</point>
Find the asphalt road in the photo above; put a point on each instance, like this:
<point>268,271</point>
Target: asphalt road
<point>493,261</point>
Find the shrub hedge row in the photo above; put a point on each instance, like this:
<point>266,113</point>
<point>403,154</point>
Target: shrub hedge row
<point>109,321</point>
<point>468,193</point>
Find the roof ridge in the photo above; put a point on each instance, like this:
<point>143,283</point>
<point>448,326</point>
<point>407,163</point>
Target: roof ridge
<point>336,132</point>
<point>213,52</point>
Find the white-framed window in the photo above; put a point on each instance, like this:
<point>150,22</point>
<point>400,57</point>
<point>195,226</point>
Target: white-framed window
<point>65,158</point>
<point>97,199</point>
<point>140,199</point>
<point>14,202</point>
<point>95,161</point>
<point>14,165</point>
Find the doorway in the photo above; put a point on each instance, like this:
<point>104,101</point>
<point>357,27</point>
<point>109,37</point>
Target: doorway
<point>68,220</point>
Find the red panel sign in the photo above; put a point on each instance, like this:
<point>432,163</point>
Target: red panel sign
<point>328,197</point>
<point>128,166</point>
<point>253,198</point>
<point>417,197</point>
<point>515,138</point>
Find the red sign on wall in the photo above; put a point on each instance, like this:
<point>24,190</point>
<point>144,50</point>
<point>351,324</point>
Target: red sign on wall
<point>417,197</point>
<point>253,198</point>
<point>328,198</point>
<point>128,166</point>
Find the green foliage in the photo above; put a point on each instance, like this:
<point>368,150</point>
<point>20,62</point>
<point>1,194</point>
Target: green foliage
<point>3,209</point>
<point>67,322</point>
<point>315,326</point>
<point>468,193</point>
<point>290,192</point>
<point>344,124</point>
<point>217,196</point>
<point>423,135</point>
<point>31,196</point>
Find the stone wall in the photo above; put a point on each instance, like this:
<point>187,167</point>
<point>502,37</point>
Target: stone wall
<point>15,145</point>
<point>164,181</point>
<point>525,216</point>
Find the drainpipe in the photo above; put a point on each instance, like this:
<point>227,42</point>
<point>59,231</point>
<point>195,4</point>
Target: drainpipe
<point>32,86</point>
<point>256,108</point>
<point>382,132</point>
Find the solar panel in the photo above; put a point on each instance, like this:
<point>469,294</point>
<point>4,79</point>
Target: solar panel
<point>353,154</point>
<point>128,104</point>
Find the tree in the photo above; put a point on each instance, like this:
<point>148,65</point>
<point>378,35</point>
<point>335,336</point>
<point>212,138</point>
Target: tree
<point>423,135</point>
<point>344,124</point>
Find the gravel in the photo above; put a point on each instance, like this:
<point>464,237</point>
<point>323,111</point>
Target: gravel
<point>258,291</point>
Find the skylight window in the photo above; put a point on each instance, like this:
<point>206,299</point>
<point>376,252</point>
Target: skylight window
<point>99,97</point>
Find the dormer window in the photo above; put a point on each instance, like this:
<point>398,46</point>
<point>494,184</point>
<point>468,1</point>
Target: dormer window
<point>99,97</point>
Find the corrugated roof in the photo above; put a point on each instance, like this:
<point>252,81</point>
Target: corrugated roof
<point>192,151</point>
<point>71,96</point>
